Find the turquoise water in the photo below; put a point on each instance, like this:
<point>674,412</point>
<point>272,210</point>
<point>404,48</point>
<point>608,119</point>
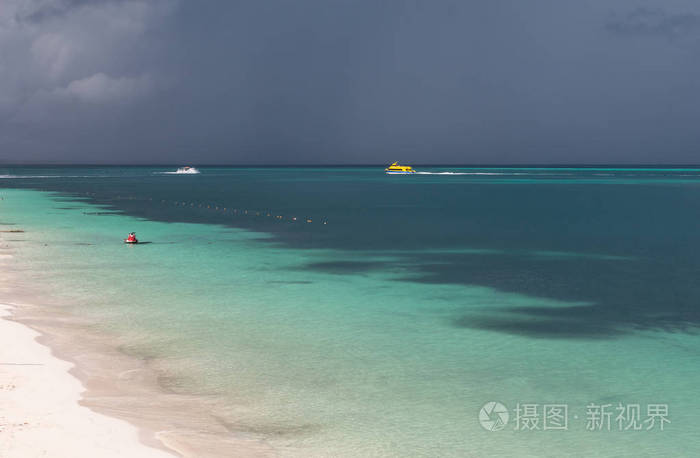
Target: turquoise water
<point>383,325</point>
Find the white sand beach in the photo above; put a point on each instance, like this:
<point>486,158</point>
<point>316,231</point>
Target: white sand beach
<point>39,411</point>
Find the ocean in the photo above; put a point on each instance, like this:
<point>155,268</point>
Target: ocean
<point>342,312</point>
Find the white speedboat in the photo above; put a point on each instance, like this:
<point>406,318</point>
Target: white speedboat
<point>187,170</point>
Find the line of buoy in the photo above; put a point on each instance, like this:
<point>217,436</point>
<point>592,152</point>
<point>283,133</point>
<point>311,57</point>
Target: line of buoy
<point>257,213</point>
<point>218,208</point>
<point>246,212</point>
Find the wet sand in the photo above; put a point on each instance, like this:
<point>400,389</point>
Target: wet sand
<point>40,414</point>
<point>66,391</point>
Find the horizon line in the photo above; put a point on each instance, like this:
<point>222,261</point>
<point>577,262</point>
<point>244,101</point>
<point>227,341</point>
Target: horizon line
<point>378,164</point>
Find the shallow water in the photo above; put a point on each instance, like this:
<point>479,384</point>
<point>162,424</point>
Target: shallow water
<point>383,325</point>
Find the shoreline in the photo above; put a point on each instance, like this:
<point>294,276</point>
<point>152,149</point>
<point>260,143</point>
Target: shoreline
<point>116,394</point>
<point>42,409</point>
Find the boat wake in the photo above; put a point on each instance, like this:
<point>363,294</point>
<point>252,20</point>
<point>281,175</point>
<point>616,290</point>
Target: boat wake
<point>459,173</point>
<point>182,171</point>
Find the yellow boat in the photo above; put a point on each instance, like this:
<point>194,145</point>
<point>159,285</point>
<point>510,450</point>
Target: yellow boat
<point>396,169</point>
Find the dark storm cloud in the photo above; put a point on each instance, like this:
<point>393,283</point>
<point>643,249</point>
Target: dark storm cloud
<point>47,10</point>
<point>275,81</point>
<point>643,21</point>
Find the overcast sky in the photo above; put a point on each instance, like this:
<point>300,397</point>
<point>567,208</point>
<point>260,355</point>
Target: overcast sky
<point>350,81</point>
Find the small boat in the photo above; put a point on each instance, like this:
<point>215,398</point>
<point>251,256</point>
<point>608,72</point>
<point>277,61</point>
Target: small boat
<point>396,169</point>
<point>187,169</point>
<point>131,238</point>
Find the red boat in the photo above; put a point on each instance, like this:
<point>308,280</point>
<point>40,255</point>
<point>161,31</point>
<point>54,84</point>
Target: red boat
<point>131,238</point>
